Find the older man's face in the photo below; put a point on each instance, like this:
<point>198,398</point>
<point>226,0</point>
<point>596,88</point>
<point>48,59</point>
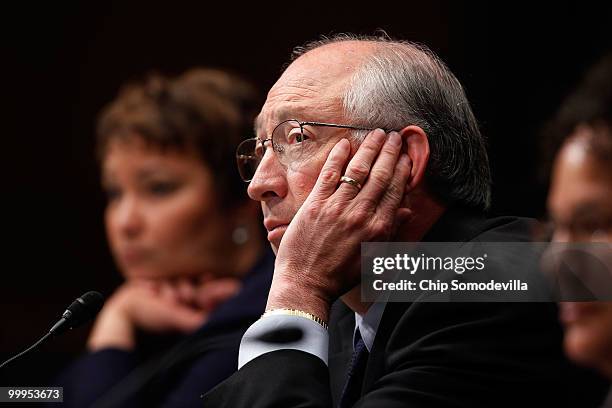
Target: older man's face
<point>310,89</point>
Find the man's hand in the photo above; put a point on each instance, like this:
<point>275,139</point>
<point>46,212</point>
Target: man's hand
<point>318,258</point>
<point>157,307</point>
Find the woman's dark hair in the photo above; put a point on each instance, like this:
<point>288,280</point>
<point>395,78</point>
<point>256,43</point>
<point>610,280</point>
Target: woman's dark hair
<point>204,110</point>
<point>590,105</point>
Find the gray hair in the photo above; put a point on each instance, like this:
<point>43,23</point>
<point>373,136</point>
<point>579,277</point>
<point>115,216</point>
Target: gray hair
<point>404,83</point>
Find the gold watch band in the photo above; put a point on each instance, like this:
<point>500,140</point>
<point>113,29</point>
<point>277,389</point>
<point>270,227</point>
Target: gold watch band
<point>295,312</point>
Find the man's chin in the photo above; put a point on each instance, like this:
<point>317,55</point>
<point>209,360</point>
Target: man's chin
<point>274,249</point>
<point>276,237</point>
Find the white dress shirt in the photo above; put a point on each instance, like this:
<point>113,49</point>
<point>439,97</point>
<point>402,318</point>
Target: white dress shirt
<point>314,340</point>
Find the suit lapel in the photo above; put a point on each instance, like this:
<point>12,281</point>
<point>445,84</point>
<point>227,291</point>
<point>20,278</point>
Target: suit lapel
<point>342,326</point>
<point>378,355</point>
<point>456,224</point>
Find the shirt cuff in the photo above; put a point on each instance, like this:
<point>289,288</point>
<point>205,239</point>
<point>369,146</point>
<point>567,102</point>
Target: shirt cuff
<point>314,339</point>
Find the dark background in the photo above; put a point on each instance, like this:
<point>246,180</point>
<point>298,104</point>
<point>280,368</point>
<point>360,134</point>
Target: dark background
<point>62,62</point>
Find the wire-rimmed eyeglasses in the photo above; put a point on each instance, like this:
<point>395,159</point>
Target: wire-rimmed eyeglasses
<point>288,142</point>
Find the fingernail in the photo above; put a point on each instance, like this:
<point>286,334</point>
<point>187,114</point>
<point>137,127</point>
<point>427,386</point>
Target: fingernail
<point>342,146</point>
<point>395,139</point>
<point>379,134</point>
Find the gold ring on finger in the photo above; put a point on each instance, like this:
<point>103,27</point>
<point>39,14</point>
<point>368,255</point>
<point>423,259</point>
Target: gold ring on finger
<point>352,182</point>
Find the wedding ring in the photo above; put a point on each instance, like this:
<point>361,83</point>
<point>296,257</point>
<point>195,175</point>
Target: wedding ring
<point>352,182</point>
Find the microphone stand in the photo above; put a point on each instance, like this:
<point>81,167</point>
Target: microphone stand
<point>32,347</point>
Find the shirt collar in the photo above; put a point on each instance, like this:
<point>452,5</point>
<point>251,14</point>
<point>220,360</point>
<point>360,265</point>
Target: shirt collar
<point>368,324</point>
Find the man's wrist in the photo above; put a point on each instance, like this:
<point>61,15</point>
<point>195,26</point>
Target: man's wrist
<point>295,296</point>
<point>296,312</point>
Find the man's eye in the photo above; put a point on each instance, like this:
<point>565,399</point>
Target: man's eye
<point>295,136</point>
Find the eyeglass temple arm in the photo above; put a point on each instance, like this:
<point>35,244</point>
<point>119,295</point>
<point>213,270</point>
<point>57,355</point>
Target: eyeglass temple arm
<point>339,126</point>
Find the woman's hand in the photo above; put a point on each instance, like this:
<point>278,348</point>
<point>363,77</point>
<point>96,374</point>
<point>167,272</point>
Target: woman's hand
<point>318,258</point>
<point>157,307</point>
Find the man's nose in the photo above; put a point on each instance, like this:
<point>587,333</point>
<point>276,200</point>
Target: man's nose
<point>270,179</point>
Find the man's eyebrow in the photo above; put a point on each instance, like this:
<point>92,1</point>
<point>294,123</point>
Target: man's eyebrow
<point>285,113</point>
<point>280,115</point>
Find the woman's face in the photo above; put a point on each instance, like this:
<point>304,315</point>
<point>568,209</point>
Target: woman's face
<point>579,204</point>
<point>162,217</point>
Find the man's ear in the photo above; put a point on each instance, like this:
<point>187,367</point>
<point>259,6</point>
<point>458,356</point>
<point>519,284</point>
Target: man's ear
<point>416,145</point>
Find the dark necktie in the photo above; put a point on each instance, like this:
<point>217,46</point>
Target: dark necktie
<point>354,379</point>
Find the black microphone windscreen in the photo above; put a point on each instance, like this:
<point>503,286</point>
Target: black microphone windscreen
<point>84,308</point>
<point>93,300</point>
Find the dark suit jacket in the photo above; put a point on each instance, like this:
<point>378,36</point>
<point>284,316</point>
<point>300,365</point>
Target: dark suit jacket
<point>432,354</point>
<point>177,376</point>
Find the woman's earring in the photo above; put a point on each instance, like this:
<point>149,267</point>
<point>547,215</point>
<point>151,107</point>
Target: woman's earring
<point>240,235</point>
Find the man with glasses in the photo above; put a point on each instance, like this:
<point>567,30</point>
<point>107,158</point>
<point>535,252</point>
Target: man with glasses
<point>368,139</point>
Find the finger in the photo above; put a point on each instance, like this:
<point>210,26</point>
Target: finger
<point>360,165</point>
<point>211,294</point>
<point>168,292</point>
<point>185,291</point>
<point>328,179</point>
<point>393,195</point>
<point>178,317</point>
<point>159,315</point>
<point>148,284</point>
<point>382,170</point>
<point>188,320</point>
<point>204,277</point>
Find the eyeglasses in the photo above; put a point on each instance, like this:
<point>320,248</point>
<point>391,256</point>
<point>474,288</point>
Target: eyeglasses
<point>290,142</point>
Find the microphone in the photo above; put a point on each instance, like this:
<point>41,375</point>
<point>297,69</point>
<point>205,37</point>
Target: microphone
<point>82,310</point>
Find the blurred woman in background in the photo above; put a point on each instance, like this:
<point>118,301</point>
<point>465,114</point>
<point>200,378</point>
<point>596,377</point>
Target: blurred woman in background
<point>184,235</point>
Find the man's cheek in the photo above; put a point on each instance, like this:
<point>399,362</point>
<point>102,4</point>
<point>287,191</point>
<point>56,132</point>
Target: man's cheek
<point>301,184</point>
